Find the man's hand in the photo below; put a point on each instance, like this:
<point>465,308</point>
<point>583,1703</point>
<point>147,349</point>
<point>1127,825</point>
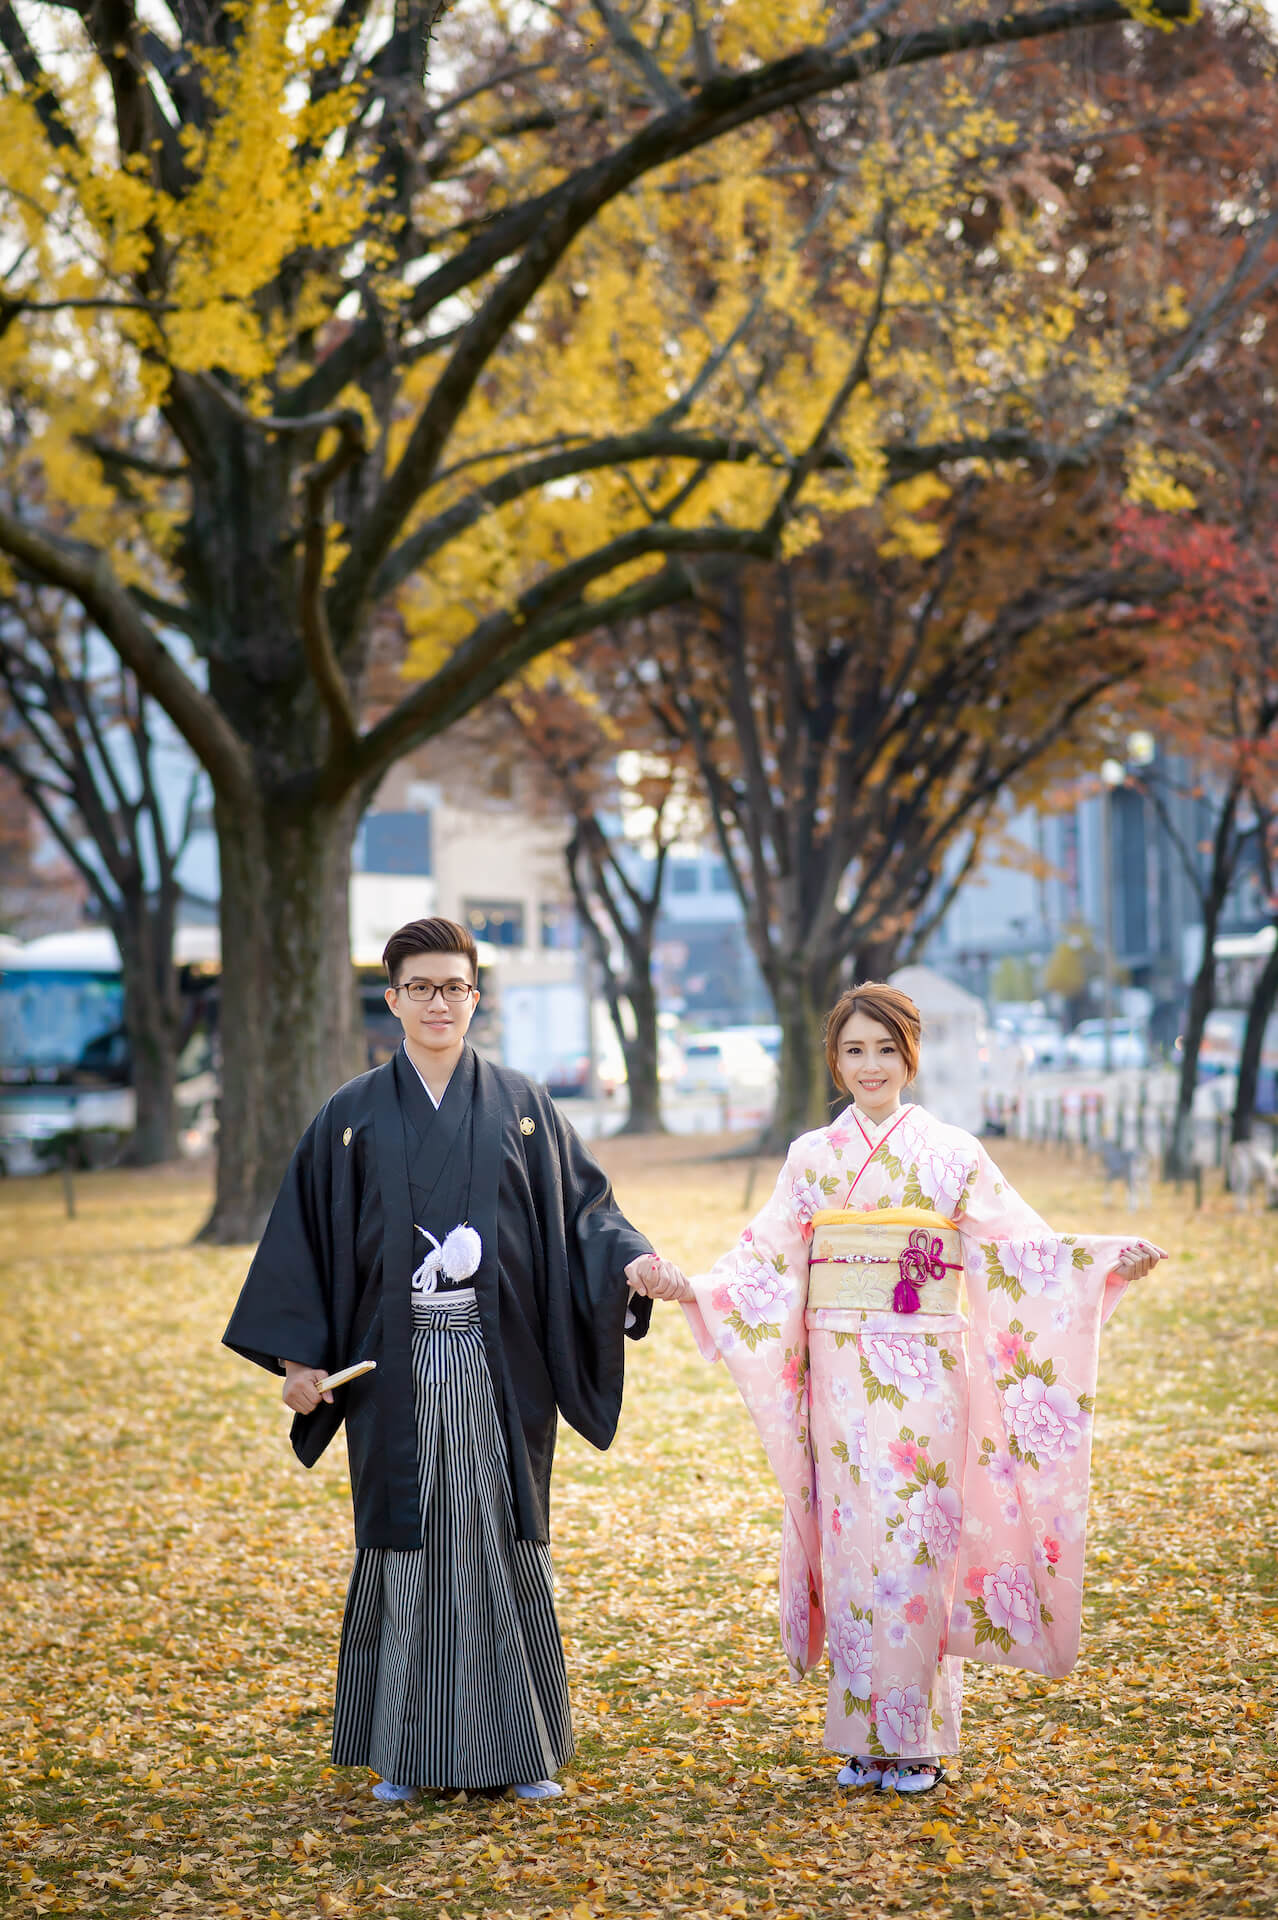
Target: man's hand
<point>1135,1262</point>
<point>301,1387</point>
<point>658,1279</point>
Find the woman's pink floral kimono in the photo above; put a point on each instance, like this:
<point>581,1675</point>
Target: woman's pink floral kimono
<point>935,1466</point>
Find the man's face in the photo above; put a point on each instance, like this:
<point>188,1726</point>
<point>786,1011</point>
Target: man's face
<point>440,1021</point>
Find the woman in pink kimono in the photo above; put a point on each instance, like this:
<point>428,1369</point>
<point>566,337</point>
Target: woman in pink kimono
<point>919,1352</point>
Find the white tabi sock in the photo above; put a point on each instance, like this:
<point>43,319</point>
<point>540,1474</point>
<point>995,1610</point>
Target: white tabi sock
<point>387,1790</point>
<point>538,1790</point>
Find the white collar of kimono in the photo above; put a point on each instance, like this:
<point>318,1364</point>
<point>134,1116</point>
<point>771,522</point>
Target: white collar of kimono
<point>875,1129</point>
<point>417,1070</point>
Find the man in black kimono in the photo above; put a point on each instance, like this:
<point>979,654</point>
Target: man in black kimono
<point>451,1671</point>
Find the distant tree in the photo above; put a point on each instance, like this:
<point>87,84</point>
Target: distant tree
<point>625,790</point>
<point>857,717</point>
<point>1215,700</point>
<point>80,745</point>
<point>1014,979</point>
<point>1072,967</point>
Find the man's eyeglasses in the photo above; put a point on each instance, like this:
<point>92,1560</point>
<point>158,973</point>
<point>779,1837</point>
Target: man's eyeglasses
<point>423,991</point>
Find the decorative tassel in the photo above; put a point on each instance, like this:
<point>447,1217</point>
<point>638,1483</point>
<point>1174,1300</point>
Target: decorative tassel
<point>904,1298</point>
<point>461,1253</point>
<point>457,1258</point>
<point>426,1277</point>
<point>917,1263</point>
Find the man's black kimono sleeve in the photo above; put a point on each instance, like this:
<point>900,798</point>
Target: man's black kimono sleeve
<point>284,1308</point>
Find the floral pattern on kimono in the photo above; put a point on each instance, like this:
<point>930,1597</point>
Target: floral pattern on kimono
<point>934,1467</point>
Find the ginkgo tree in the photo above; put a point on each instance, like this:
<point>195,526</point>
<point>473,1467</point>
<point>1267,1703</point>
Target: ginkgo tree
<point>514,320</point>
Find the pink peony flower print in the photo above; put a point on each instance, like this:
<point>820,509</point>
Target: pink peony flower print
<point>1002,1472</point>
<point>893,1587</point>
<point>1008,1346</point>
<point>1011,1602</point>
<point>904,1455</point>
<point>836,1520</point>
<point>933,1517</point>
<point>916,1609</point>
<point>944,1176</point>
<point>906,1362</point>
<point>792,1373</point>
<point>1052,1548</point>
<point>851,1648</point>
<point>1032,1263</point>
<point>858,1444</point>
<point>1047,1421</point>
<point>976,1578</point>
<point>902,1719</point>
<point>807,1199</point>
<point>796,1621</point>
<point>759,1295</point>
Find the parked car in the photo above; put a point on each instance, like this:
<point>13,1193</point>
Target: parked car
<point>768,1037</point>
<point>1044,1042</point>
<point>1128,1045</point>
<point>569,1078</point>
<point>722,1062</point>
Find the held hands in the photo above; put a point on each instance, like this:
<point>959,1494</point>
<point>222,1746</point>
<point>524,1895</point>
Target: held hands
<point>1135,1262</point>
<point>301,1387</point>
<point>658,1279</point>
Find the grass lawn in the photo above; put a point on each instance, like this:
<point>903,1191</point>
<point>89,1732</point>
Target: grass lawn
<point>173,1585</point>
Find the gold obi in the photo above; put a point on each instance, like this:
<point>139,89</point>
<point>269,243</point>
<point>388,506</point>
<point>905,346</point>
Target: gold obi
<point>892,1260</point>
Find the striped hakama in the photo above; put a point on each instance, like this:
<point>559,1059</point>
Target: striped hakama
<point>451,1670</point>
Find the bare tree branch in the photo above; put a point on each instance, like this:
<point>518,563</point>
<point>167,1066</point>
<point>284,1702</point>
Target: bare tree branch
<point>87,574</point>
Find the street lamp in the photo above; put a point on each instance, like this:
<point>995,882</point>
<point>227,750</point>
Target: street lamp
<point>1113,774</point>
<point>1141,750</point>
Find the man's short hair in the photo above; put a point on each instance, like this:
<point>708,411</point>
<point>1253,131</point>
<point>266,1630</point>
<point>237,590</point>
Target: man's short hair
<point>429,936</point>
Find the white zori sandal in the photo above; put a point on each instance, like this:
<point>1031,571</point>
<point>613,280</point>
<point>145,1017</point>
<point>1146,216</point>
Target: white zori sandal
<point>538,1790</point>
<point>387,1790</point>
<point>912,1776</point>
<point>861,1771</point>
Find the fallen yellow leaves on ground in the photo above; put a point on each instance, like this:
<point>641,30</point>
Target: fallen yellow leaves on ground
<point>173,1583</point>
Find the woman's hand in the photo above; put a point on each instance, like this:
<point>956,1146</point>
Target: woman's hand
<point>301,1387</point>
<point>1135,1262</point>
<point>658,1279</point>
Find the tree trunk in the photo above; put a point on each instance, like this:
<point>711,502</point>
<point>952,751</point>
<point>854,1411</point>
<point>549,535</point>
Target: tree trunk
<point>1263,998</point>
<point>873,960</point>
<point>150,1018</point>
<point>1201,1000</point>
<point>287,1024</point>
<point>643,1061</point>
<point>1203,996</point>
<point>804,1093</point>
<point>143,927</point>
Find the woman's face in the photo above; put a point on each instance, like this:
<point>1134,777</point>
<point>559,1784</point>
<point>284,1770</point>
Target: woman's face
<point>871,1065</point>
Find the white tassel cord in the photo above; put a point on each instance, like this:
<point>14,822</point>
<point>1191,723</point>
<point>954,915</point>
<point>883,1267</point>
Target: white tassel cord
<point>457,1258</point>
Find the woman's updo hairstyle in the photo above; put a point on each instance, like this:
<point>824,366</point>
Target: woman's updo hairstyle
<point>890,1007</point>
